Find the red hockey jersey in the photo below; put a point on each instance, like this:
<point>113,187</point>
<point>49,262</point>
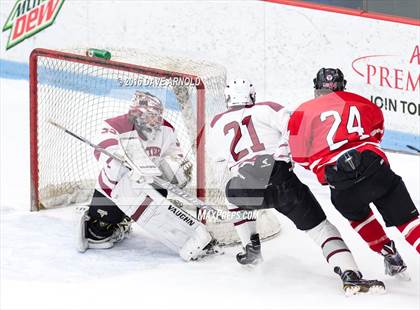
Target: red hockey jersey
<point>322,129</point>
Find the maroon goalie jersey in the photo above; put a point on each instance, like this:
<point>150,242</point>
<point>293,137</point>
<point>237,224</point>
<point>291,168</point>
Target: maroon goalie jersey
<point>322,129</point>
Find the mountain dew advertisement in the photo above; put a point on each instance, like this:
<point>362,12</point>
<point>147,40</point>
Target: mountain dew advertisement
<point>28,17</point>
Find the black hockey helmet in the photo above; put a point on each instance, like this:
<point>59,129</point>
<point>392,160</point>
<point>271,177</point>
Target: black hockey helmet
<point>329,80</point>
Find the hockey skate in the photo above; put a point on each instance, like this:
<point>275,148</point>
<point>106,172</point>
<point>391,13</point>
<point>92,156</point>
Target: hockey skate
<point>252,254</point>
<point>394,264</point>
<point>212,248</point>
<point>94,234</point>
<point>353,283</point>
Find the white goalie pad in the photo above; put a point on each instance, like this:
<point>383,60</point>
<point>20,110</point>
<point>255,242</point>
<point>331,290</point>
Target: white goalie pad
<point>167,223</point>
<point>177,229</point>
<point>80,218</point>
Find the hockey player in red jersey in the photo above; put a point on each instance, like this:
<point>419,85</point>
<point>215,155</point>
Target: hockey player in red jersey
<point>337,136</point>
<point>123,196</point>
<point>251,139</point>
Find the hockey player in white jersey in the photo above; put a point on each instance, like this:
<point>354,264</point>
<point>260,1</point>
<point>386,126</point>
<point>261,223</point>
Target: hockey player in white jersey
<point>122,196</point>
<point>252,139</point>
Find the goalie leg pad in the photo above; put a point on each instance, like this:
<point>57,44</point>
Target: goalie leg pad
<point>175,228</point>
<point>167,223</point>
<point>104,209</point>
<point>101,224</point>
<point>194,246</point>
<point>130,195</point>
<point>82,241</point>
<point>81,218</point>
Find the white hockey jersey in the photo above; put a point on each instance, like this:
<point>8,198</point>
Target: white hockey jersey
<point>114,132</point>
<point>239,134</point>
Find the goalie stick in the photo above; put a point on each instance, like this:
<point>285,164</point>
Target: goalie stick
<point>156,180</point>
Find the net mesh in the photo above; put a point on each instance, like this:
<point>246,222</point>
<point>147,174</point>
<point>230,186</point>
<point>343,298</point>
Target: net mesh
<point>80,96</point>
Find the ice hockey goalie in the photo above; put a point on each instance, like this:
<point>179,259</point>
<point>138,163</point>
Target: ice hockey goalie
<point>124,196</point>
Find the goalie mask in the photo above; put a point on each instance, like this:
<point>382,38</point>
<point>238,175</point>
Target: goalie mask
<point>239,92</point>
<point>146,114</point>
<point>329,80</point>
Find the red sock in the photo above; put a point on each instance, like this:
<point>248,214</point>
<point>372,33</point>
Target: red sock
<point>372,232</point>
<point>411,232</point>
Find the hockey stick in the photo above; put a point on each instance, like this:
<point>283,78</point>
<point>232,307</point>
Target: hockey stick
<point>156,180</point>
<point>413,148</point>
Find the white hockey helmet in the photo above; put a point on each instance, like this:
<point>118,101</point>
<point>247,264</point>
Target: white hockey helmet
<point>239,92</point>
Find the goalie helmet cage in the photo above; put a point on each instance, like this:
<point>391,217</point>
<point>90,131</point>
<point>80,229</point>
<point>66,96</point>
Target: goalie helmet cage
<point>79,92</point>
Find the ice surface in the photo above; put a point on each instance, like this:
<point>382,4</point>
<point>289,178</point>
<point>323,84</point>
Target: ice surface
<point>40,268</point>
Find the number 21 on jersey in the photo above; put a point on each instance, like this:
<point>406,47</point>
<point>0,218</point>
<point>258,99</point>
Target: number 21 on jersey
<point>236,127</point>
<point>354,125</point>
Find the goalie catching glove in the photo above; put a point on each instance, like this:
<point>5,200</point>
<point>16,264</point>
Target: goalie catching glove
<point>178,171</point>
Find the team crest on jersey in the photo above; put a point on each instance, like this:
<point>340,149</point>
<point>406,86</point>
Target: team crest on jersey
<point>28,17</point>
<point>153,151</point>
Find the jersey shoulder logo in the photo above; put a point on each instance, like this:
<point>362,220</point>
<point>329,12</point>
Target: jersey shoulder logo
<point>265,163</point>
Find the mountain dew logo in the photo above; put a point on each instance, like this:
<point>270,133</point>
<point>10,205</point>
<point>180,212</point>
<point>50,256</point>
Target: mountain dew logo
<point>29,17</point>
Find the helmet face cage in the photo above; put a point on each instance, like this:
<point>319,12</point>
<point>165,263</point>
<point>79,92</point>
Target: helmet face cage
<point>239,92</point>
<point>146,111</point>
<point>329,80</point>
